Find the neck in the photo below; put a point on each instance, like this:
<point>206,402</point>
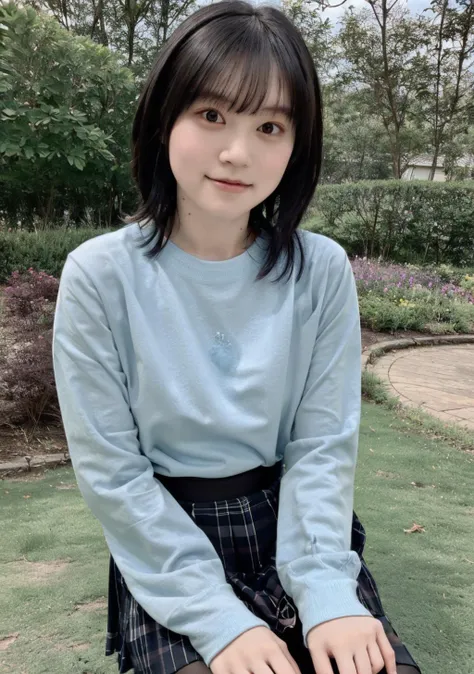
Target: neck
<point>210,238</point>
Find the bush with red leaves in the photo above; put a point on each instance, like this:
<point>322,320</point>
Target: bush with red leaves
<point>26,367</point>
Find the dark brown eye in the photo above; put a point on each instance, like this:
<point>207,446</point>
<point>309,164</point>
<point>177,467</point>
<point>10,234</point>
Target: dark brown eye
<point>268,128</point>
<point>212,116</point>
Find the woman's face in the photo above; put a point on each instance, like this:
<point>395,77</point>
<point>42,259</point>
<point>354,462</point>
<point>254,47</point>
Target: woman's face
<point>224,162</point>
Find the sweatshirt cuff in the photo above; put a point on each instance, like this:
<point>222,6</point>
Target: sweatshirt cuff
<point>328,602</point>
<point>213,622</point>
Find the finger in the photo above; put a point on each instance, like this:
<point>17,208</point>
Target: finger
<point>362,662</point>
<point>388,654</point>
<point>281,662</point>
<point>346,665</point>
<point>290,658</point>
<point>376,659</point>
<point>321,662</point>
<point>260,668</point>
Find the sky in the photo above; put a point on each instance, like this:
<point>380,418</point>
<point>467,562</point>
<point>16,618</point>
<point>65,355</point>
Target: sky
<point>415,7</point>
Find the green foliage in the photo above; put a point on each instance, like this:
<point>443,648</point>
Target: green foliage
<point>408,221</point>
<point>467,283</point>
<point>44,250</point>
<point>455,274</point>
<point>373,388</point>
<point>65,115</point>
<point>423,311</point>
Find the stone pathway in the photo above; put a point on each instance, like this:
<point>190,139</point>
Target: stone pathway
<point>439,379</point>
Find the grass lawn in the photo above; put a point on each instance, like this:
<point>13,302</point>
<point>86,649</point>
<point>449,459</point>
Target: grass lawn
<point>54,569</point>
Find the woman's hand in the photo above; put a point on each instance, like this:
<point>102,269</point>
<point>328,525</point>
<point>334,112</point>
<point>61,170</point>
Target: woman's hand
<point>358,644</point>
<point>257,651</point>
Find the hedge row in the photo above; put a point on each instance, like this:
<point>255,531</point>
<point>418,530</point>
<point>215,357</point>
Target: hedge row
<point>419,222</point>
<point>43,250</point>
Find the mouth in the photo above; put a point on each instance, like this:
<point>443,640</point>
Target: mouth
<point>225,181</point>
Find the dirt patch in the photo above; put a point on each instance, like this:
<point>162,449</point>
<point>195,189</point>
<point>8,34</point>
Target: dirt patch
<point>80,647</point>
<point>6,642</point>
<point>20,473</point>
<point>26,572</point>
<point>56,643</point>
<point>369,338</point>
<point>388,475</point>
<point>96,605</point>
<point>16,443</point>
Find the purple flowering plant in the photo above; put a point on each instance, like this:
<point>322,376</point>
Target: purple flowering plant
<point>397,281</point>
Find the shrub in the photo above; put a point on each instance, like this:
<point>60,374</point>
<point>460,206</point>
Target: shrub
<point>406,221</point>
<point>46,250</point>
<point>374,388</point>
<point>26,367</point>
<point>402,297</point>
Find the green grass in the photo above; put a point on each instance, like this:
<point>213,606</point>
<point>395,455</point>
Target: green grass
<point>377,390</point>
<point>425,580</point>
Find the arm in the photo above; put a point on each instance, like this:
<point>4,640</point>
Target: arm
<point>168,563</point>
<point>314,560</point>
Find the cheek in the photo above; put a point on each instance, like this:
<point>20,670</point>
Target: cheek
<point>184,148</point>
<point>275,162</point>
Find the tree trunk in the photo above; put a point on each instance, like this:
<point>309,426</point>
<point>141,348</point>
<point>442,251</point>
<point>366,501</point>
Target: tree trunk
<point>395,142</point>
<point>131,41</point>
<point>439,50</point>
<point>164,20</point>
<point>99,20</point>
<point>64,10</point>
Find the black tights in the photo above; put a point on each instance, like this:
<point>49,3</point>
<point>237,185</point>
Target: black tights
<point>300,653</point>
<point>199,667</point>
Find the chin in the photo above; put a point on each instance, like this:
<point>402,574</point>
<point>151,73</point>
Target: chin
<point>227,211</point>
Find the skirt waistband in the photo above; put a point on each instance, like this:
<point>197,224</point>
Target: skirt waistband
<point>222,488</point>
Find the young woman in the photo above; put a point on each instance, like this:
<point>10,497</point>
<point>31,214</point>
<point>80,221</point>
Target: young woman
<point>210,385</point>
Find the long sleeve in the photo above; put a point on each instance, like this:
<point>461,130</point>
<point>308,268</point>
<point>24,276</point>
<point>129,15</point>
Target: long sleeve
<point>168,563</point>
<point>314,560</point>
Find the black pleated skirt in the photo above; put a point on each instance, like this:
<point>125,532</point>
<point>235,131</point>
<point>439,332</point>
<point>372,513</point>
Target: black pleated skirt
<point>243,532</point>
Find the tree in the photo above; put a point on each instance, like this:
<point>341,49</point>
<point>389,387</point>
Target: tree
<point>355,143</point>
<point>316,32</point>
<point>449,100</point>
<point>65,118</point>
<point>382,49</point>
<point>134,29</point>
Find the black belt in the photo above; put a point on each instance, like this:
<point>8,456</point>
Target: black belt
<point>222,488</point>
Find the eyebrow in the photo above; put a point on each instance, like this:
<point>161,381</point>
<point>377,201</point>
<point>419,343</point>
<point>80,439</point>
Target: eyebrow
<point>269,109</point>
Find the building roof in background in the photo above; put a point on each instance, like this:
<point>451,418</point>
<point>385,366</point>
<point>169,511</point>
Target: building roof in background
<point>427,160</point>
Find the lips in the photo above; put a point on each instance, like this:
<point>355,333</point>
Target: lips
<point>230,182</point>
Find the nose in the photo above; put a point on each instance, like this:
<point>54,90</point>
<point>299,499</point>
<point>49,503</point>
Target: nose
<point>236,151</point>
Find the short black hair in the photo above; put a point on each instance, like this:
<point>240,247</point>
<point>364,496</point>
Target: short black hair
<point>203,54</point>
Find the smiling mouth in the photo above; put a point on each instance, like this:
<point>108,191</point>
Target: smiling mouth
<point>229,182</point>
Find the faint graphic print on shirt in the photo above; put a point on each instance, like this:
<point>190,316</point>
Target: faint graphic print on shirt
<point>224,354</point>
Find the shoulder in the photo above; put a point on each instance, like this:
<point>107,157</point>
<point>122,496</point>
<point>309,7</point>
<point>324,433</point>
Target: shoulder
<point>108,256</point>
<point>327,285</point>
<point>323,255</point>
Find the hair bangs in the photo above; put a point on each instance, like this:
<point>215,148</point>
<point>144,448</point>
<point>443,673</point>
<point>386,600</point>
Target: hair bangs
<point>237,69</point>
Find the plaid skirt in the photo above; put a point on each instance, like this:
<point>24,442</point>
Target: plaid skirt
<point>243,532</point>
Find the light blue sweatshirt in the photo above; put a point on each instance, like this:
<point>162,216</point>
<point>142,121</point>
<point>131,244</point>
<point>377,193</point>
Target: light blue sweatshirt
<point>188,367</point>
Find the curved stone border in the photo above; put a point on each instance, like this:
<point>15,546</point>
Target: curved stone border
<point>373,353</point>
<point>376,351</point>
<point>33,464</point>
<point>382,369</point>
